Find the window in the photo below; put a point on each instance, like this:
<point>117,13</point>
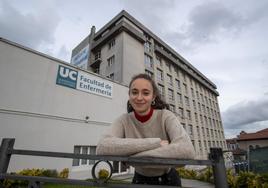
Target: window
<point>172,108</point>
<point>159,75</point>
<point>84,150</point>
<point>192,91</point>
<point>196,117</point>
<point>170,95</point>
<point>98,55</point>
<point>190,130</point>
<point>181,112</point>
<point>161,90</point>
<point>185,88</point>
<point>203,108</point>
<point>202,98</point>
<point>76,151</point>
<point>111,76</point>
<point>147,47</point>
<point>178,84</point>
<point>199,106</point>
<point>158,61</point>
<point>203,131</point>
<point>111,61</point>
<point>184,77</point>
<point>193,143</point>
<point>199,144</point>
<point>187,101</point>
<point>169,79</point>
<point>148,61</point>
<point>111,44</point>
<point>176,71</point>
<point>179,98</point>
<point>194,104</point>
<point>212,133</point>
<point>168,65</point>
<point>201,119</point>
<point>188,113</point>
<point>197,130</point>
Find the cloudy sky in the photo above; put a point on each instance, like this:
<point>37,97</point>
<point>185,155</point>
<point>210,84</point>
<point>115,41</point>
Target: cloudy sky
<point>226,40</point>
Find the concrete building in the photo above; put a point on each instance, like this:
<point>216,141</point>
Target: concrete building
<point>125,47</point>
<point>253,140</point>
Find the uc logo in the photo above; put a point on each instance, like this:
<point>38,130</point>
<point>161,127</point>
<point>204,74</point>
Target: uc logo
<point>67,77</point>
<point>68,73</point>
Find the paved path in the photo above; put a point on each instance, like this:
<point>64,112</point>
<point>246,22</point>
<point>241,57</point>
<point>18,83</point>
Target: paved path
<point>187,183</point>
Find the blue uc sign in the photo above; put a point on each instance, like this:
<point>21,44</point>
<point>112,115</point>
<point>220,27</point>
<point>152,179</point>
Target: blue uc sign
<point>67,77</point>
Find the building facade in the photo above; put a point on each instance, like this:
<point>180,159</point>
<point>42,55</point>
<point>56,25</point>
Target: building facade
<point>41,109</point>
<point>125,47</point>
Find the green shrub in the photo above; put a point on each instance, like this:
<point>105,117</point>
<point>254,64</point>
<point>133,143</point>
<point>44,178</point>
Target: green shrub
<point>50,173</point>
<point>64,173</point>
<point>242,180</point>
<point>103,174</point>
<point>29,172</point>
<point>186,173</point>
<point>206,175</point>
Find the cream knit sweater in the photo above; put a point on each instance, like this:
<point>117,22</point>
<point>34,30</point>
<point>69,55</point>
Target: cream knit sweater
<point>129,137</point>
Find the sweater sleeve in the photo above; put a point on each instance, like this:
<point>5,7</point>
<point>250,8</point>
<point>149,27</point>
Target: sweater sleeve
<point>180,145</point>
<point>115,143</point>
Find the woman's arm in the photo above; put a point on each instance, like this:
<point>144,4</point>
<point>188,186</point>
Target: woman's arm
<point>180,145</point>
<point>115,143</point>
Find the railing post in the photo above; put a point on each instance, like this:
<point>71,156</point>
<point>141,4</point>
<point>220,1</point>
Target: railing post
<point>7,143</point>
<point>219,170</point>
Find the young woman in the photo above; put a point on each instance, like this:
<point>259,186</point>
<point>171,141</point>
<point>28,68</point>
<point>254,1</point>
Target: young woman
<point>147,130</point>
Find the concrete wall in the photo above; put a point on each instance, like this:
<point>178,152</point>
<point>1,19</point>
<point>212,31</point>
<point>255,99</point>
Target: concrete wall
<point>133,58</point>
<point>42,115</point>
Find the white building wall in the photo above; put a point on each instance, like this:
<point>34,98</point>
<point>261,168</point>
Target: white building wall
<point>133,58</point>
<point>42,115</point>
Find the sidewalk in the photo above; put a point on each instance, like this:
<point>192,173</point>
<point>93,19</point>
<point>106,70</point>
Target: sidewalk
<point>187,183</point>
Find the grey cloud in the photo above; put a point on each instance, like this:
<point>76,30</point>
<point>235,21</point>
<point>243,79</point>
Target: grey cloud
<point>212,20</point>
<point>64,53</point>
<point>152,12</point>
<point>28,29</point>
<point>245,113</point>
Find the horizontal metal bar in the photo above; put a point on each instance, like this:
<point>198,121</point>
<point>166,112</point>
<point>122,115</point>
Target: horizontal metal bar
<point>73,181</point>
<point>131,160</point>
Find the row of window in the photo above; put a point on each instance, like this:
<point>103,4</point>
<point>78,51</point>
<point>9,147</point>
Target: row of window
<point>208,144</point>
<point>185,77</point>
<point>90,150</point>
<point>204,99</point>
<point>171,99</point>
<point>118,167</point>
<point>210,133</point>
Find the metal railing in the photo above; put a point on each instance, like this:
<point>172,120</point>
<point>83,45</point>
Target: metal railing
<point>6,151</point>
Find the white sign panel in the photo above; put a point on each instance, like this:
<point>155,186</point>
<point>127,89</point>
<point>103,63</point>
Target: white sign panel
<point>92,84</point>
<point>83,81</point>
<point>81,58</point>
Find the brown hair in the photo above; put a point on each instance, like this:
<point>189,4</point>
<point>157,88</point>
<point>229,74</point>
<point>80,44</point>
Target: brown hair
<point>159,103</point>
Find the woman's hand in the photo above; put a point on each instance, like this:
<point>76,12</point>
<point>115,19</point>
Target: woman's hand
<point>164,142</point>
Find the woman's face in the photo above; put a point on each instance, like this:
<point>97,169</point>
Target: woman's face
<point>141,96</point>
